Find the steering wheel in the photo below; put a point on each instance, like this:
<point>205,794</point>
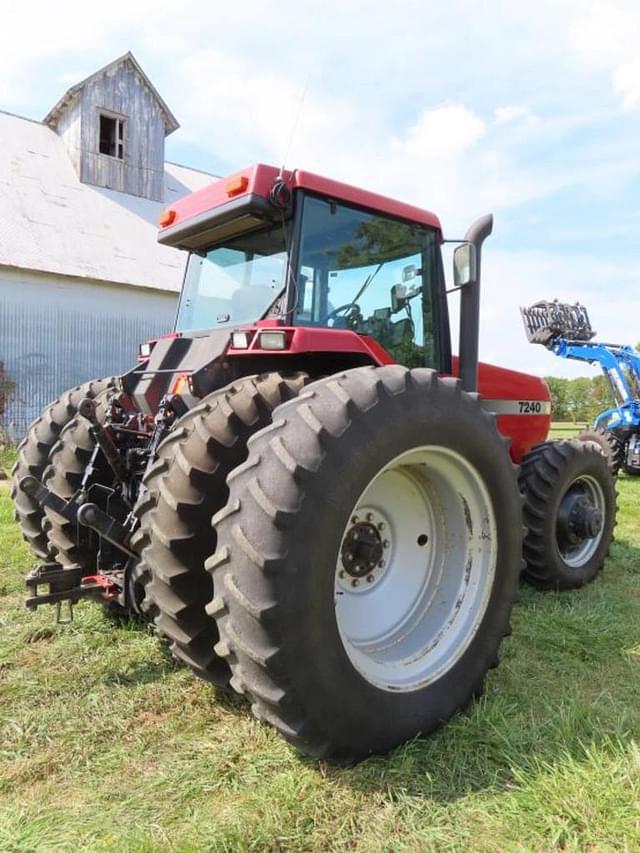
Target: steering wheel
<point>355,312</point>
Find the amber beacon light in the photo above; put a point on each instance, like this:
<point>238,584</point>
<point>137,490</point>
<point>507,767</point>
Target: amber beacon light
<point>237,185</point>
<point>166,218</point>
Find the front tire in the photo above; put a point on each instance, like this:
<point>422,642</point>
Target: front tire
<point>610,444</point>
<point>366,448</point>
<point>569,512</point>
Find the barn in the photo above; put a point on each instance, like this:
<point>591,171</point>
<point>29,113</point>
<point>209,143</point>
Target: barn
<point>82,279</point>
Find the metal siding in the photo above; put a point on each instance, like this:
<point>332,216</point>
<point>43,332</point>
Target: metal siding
<point>56,333</point>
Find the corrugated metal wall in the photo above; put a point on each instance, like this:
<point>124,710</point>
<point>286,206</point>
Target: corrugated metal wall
<point>56,333</point>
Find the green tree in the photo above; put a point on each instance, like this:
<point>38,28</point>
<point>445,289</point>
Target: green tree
<point>559,388</point>
<point>580,399</point>
<point>600,396</point>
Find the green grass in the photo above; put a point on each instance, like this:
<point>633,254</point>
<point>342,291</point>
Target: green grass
<point>561,429</point>
<point>105,744</point>
<point>8,456</point>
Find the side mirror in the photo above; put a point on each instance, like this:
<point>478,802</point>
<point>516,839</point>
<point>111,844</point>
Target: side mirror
<point>409,272</point>
<point>398,297</point>
<point>465,265</point>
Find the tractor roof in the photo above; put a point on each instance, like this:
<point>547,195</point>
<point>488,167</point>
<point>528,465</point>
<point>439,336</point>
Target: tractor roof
<point>259,179</point>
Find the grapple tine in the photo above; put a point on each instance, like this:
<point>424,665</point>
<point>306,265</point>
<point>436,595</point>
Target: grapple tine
<point>544,322</point>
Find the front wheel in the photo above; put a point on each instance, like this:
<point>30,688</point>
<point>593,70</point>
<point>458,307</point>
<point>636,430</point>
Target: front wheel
<point>569,512</point>
<point>367,560</point>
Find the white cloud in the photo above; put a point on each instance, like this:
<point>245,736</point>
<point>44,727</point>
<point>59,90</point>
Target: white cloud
<point>602,34</point>
<point>513,113</point>
<point>626,82</point>
<point>605,39</point>
<point>442,133</point>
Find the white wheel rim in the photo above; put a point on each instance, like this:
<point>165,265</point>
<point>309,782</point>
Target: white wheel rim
<point>578,555</point>
<point>405,623</point>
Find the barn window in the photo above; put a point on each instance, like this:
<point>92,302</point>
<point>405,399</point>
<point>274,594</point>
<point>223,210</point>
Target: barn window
<point>111,140</point>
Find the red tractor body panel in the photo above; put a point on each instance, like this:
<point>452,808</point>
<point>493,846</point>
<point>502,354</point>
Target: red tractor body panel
<point>258,180</point>
<point>525,403</point>
<point>306,339</point>
<point>522,402</point>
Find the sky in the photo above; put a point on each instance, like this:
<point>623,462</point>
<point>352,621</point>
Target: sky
<point>530,111</point>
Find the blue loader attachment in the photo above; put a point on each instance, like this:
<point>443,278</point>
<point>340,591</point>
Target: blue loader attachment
<point>566,331</point>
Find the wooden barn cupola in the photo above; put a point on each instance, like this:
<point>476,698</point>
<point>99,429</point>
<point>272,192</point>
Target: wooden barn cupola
<point>114,125</point>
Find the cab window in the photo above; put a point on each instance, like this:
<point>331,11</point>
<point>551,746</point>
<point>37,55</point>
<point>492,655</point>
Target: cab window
<point>371,274</point>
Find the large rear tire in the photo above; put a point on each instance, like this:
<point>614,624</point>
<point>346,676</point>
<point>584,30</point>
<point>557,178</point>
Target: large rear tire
<point>368,560</point>
<point>189,484</point>
<point>569,512</point>
<point>67,465</point>
<point>34,454</point>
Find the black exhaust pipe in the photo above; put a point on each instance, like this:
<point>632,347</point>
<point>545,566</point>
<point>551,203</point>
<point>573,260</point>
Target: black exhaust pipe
<point>470,307</point>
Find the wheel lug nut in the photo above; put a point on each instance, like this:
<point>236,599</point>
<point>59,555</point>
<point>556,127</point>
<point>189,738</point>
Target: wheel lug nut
<point>341,573</point>
<point>370,578</point>
<point>385,544</point>
<point>381,564</point>
<point>381,525</point>
<point>369,516</point>
<point>355,582</point>
<point>355,519</point>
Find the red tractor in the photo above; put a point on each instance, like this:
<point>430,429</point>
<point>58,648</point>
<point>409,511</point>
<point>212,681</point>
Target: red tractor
<point>301,484</point>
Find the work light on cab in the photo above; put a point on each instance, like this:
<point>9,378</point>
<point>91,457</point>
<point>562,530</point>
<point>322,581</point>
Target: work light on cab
<point>272,340</point>
<point>240,340</point>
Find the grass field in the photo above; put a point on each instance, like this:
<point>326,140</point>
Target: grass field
<point>107,745</point>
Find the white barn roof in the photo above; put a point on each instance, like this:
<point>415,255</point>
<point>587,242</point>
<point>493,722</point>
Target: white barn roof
<point>51,222</point>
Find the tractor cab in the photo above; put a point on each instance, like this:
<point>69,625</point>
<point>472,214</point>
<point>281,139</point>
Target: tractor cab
<point>302,251</point>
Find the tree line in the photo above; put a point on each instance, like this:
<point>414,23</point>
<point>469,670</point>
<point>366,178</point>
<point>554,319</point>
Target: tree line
<point>578,399</point>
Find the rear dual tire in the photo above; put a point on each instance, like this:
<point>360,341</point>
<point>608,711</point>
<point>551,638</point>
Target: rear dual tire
<point>312,672</point>
<point>186,485</point>
<point>34,452</point>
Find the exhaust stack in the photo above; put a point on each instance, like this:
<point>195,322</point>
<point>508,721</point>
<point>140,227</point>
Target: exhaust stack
<point>470,306</point>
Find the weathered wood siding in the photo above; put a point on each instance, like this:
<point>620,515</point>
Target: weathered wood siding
<point>56,332</point>
<point>141,172</point>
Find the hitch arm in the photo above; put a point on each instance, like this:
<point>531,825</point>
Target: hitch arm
<point>43,496</point>
<point>87,409</point>
<point>88,514</point>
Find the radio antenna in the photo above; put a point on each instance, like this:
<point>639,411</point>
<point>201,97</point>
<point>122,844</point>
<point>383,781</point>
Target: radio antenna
<point>296,121</point>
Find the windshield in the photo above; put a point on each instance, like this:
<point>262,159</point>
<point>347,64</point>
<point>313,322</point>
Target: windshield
<point>371,274</point>
<point>235,283</point>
